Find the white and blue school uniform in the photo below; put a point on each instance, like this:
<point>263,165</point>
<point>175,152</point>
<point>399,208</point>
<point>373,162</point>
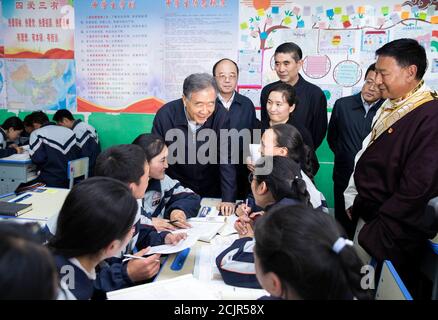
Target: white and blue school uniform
<point>164,196</point>
<point>4,150</point>
<point>112,273</point>
<point>51,148</point>
<point>317,199</point>
<point>76,283</point>
<point>236,263</point>
<point>87,141</point>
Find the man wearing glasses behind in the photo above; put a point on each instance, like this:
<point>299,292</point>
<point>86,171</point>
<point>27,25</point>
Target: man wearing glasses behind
<point>241,114</point>
<point>349,124</point>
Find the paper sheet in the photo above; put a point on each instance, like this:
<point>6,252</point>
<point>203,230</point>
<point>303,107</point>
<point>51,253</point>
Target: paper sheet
<point>168,248</point>
<point>180,288</point>
<point>204,229</point>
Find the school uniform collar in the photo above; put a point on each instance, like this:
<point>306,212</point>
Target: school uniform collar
<point>75,123</point>
<point>154,185</point>
<point>91,275</point>
<point>50,123</point>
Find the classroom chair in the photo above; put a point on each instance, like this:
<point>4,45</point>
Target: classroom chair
<point>390,286</point>
<point>77,168</point>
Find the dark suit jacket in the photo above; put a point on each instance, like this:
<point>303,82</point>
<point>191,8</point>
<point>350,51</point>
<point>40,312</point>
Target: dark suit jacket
<point>348,126</point>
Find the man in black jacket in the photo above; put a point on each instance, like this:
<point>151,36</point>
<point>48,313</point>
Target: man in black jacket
<point>241,114</point>
<point>311,107</point>
<point>191,128</point>
<point>350,123</point>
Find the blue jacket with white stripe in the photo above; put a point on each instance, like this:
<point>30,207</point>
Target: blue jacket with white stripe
<point>113,273</point>
<point>51,148</point>
<point>236,263</point>
<point>88,142</point>
<point>164,196</point>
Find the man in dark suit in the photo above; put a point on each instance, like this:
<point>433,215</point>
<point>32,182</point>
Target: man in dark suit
<point>349,124</point>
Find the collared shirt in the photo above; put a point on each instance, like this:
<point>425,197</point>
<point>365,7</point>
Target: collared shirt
<point>192,124</point>
<point>91,275</point>
<point>225,103</point>
<point>367,106</point>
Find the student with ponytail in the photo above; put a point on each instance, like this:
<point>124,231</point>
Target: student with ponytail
<point>95,223</point>
<point>286,141</point>
<point>276,182</point>
<point>301,253</point>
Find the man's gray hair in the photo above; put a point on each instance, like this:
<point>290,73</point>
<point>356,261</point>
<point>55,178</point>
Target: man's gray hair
<point>197,82</point>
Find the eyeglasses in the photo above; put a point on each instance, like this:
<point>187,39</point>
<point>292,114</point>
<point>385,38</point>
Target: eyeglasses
<point>224,77</point>
<point>250,177</point>
<point>370,83</point>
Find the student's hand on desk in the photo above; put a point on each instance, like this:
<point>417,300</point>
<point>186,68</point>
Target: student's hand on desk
<point>181,217</point>
<point>174,238</point>
<point>143,269</point>
<point>226,208</point>
<point>17,148</point>
<point>249,164</point>
<point>162,224</point>
<point>243,209</point>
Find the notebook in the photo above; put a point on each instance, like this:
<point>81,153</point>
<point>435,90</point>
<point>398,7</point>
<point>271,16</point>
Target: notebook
<point>13,209</point>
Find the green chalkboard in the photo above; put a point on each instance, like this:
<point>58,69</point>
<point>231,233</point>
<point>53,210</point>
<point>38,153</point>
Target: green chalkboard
<point>120,128</point>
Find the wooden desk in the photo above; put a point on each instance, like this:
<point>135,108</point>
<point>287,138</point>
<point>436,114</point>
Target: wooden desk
<point>14,170</point>
<point>44,205</point>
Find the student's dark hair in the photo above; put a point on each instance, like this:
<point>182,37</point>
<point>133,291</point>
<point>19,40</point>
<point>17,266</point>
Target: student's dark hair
<point>13,122</point>
<point>152,144</point>
<point>224,59</point>
<point>96,212</point>
<point>27,269</point>
<point>295,243</point>
<point>406,52</point>
<point>370,68</point>
<point>124,162</point>
<point>27,121</point>
<point>39,117</point>
<point>292,48</point>
<point>287,91</point>
<point>289,137</point>
<point>61,114</point>
<point>284,180</point>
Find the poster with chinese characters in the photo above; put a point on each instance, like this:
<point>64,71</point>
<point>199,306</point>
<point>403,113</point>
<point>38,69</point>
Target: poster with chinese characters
<point>133,56</point>
<point>39,29</point>
<point>2,63</point>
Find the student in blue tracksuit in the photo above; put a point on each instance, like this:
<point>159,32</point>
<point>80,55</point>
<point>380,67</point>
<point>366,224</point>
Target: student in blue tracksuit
<point>286,141</point>
<point>128,163</point>
<point>10,131</point>
<point>27,269</point>
<point>303,254</point>
<point>86,136</point>
<point>165,199</point>
<point>51,148</point>
<point>96,222</point>
<point>276,182</point>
